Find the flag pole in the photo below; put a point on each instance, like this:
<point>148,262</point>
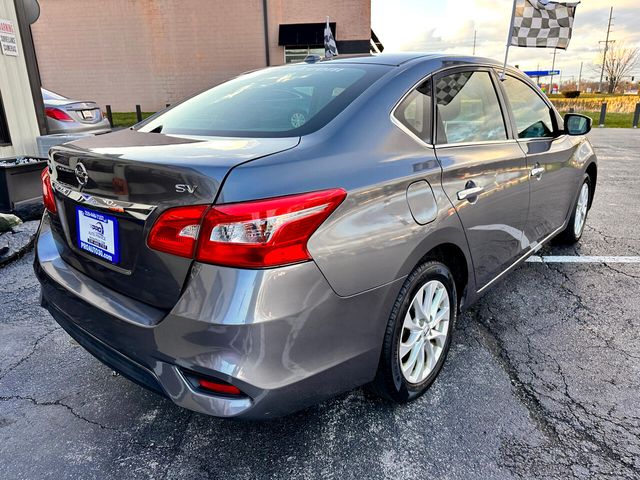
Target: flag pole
<point>506,53</point>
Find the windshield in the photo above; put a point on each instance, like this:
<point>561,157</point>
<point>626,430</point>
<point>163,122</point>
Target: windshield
<point>49,95</point>
<point>276,102</point>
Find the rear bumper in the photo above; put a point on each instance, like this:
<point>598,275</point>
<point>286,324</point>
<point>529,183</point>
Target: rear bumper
<point>55,126</point>
<point>282,336</point>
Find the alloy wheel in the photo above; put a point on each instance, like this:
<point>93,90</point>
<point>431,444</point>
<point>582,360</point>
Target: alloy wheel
<point>424,331</point>
<point>581,210</point>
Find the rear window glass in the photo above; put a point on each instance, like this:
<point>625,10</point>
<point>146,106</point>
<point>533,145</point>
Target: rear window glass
<point>283,101</point>
<point>49,95</point>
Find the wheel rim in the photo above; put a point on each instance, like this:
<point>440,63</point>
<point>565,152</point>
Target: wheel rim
<point>424,331</point>
<point>581,210</point>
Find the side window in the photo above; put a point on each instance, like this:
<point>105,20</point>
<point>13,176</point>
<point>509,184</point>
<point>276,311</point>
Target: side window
<point>414,112</point>
<point>467,109</point>
<point>531,113</point>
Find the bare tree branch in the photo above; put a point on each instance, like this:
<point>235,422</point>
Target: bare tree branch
<point>619,63</point>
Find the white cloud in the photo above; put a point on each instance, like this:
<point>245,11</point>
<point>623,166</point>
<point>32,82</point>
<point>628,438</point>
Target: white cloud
<point>448,26</point>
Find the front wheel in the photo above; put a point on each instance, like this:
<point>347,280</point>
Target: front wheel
<point>418,333</point>
<point>573,232</point>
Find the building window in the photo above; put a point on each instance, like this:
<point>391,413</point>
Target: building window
<point>298,54</point>
<point>5,138</point>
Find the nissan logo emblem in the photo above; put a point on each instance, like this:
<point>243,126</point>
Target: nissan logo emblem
<point>81,174</point>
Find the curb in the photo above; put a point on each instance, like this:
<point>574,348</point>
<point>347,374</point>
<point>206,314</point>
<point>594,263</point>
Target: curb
<point>20,239</point>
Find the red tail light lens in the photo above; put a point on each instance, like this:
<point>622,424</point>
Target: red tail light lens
<point>219,387</point>
<point>256,234</point>
<point>47,191</point>
<point>57,114</point>
<point>265,233</point>
<point>176,230</point>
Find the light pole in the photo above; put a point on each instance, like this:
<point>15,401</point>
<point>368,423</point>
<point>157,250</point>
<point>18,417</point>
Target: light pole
<point>579,77</point>
<point>553,66</point>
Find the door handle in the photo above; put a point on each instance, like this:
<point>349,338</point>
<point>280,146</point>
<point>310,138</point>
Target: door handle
<point>537,171</point>
<point>471,191</point>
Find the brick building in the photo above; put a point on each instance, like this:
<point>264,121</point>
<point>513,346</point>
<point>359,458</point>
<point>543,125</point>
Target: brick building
<point>153,52</point>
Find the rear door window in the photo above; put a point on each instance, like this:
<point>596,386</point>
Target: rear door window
<point>467,109</point>
<point>531,114</point>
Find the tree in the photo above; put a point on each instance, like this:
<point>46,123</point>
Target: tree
<point>619,62</point>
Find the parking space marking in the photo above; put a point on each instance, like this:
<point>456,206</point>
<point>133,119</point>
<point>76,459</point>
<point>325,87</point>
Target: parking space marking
<point>581,259</point>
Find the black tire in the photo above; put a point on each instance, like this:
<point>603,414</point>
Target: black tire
<point>390,383</point>
<point>569,236</point>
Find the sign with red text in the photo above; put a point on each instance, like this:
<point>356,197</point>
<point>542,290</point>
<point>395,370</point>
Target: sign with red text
<point>8,40</point>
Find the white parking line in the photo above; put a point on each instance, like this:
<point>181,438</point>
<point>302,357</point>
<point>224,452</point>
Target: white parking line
<point>581,259</point>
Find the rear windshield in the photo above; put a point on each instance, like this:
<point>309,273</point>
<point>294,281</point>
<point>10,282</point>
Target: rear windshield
<point>49,95</point>
<point>276,102</point>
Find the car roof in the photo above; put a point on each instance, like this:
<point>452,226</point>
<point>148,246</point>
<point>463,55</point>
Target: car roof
<point>397,59</point>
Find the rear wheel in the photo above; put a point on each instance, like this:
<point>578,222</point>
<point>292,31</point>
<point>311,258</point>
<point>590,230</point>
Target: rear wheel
<point>573,232</point>
<point>418,333</point>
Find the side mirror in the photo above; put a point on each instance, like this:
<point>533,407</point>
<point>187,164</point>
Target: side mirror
<point>575,124</point>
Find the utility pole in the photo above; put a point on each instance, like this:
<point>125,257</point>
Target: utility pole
<point>553,66</point>
<point>579,77</point>
<point>475,33</point>
<point>606,48</point>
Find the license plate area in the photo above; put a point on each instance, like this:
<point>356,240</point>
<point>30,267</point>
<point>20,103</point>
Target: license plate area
<point>97,234</point>
<point>86,114</point>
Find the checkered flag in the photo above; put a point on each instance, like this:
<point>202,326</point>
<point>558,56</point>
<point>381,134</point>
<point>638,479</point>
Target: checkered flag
<point>330,49</point>
<point>448,87</point>
<point>542,24</point>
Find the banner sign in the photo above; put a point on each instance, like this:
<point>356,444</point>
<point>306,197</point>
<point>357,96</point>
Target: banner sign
<point>542,73</point>
<point>8,41</point>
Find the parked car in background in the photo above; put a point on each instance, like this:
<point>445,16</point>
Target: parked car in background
<point>248,255</point>
<point>72,116</point>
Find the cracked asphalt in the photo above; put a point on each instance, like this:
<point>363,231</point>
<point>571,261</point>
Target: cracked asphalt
<point>543,380</point>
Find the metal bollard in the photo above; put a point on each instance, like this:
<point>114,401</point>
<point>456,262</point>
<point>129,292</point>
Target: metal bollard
<point>636,116</point>
<point>603,114</point>
<point>109,116</point>
<point>138,113</point>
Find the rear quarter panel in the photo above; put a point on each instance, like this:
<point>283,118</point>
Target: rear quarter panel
<point>372,238</point>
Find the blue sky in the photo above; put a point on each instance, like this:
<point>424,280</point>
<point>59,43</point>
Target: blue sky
<point>448,26</point>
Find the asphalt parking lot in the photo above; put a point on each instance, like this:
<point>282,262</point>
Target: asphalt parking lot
<point>543,380</point>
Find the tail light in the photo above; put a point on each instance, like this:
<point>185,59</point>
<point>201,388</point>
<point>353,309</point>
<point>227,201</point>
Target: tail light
<point>265,233</point>
<point>47,191</point>
<point>256,234</point>
<point>57,114</point>
<point>176,230</point>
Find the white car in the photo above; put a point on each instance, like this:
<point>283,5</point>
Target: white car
<point>71,116</point>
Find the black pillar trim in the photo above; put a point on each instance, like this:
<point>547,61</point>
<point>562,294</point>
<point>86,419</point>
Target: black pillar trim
<point>29,52</point>
<point>265,15</point>
<point>347,47</point>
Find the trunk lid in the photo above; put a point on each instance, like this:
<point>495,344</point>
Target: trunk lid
<point>83,112</point>
<point>118,184</point>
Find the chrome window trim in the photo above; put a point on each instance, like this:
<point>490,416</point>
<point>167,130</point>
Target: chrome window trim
<point>477,144</point>
<point>403,127</point>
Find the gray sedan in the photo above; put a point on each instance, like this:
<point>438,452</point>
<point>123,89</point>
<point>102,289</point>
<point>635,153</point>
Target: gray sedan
<point>248,256</point>
<point>72,116</point>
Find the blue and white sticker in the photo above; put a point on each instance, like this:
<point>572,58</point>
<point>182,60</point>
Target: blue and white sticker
<point>98,234</point>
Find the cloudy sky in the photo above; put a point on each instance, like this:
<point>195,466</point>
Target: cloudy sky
<point>448,26</point>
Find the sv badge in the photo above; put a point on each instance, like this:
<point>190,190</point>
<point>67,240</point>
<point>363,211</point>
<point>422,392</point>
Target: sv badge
<point>184,188</point>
